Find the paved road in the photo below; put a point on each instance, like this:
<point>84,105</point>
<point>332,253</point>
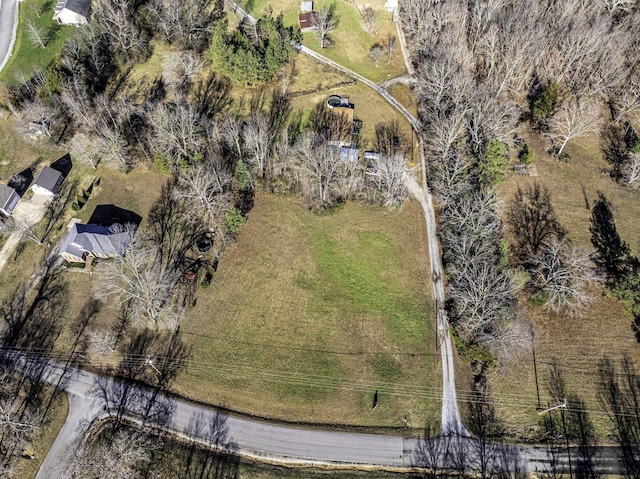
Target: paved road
<point>8,26</point>
<point>276,443</point>
<point>251,438</point>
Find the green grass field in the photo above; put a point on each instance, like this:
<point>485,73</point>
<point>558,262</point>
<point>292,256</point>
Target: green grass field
<point>351,40</point>
<point>27,55</point>
<point>309,315</point>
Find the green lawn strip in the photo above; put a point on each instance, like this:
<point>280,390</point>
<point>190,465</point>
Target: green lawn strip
<point>27,55</point>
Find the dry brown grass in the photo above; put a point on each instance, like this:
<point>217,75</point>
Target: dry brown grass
<point>566,179</point>
<point>308,315</point>
<point>44,437</point>
<point>17,152</point>
<point>369,107</point>
<point>576,343</point>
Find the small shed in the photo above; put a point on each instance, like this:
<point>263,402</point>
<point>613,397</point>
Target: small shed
<point>349,154</point>
<point>48,181</point>
<point>72,12</point>
<point>8,199</point>
<point>308,21</point>
<point>372,156</point>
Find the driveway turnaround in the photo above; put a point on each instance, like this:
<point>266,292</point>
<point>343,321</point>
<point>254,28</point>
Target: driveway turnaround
<point>27,213</point>
<point>8,26</point>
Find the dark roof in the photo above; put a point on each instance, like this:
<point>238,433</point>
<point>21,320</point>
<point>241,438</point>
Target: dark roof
<point>82,7</point>
<point>307,20</point>
<point>5,194</point>
<point>49,179</point>
<point>100,240</point>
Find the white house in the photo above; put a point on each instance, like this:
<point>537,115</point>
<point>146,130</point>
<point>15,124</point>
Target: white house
<point>48,181</point>
<point>72,12</point>
<point>8,199</point>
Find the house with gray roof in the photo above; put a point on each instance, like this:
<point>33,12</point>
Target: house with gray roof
<point>94,241</point>
<point>48,181</point>
<point>8,199</point>
<point>72,12</point>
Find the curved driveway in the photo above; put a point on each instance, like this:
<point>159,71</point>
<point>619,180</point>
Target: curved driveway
<point>8,27</point>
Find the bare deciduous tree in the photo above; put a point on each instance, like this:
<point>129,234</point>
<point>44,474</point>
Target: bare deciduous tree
<point>320,166</point>
<point>101,342</point>
<point>565,274</point>
<point>115,18</point>
<point>575,119</point>
<point>631,171</point>
<point>35,33</point>
<point>120,458</point>
<point>136,281</point>
<point>206,188</point>
<point>178,132</point>
<point>258,137</point>
<point>369,18</point>
<point>392,43</point>
<point>391,169</point>
<point>325,23</point>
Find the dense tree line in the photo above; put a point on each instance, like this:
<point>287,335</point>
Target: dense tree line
<point>482,68</point>
<point>255,51</point>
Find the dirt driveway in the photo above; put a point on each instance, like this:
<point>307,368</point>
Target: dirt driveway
<point>27,212</point>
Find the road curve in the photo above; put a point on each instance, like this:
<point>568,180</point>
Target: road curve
<point>285,445</point>
<point>8,29</point>
<point>251,438</point>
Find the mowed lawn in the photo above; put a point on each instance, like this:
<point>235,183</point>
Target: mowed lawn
<point>28,55</point>
<point>576,344</point>
<point>351,40</point>
<point>308,315</point>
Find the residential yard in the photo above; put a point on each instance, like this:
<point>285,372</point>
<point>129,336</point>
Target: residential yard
<point>136,191</point>
<point>576,343</point>
<point>309,315</point>
<point>313,82</point>
<point>28,56</point>
<point>352,41</point>
<point>17,152</point>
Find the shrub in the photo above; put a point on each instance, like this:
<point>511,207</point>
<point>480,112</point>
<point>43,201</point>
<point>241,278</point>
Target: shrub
<point>526,155</point>
<point>493,167</point>
<point>233,220</point>
<point>545,104</point>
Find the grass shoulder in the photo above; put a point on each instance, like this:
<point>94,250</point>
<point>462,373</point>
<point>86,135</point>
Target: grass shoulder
<point>44,438</point>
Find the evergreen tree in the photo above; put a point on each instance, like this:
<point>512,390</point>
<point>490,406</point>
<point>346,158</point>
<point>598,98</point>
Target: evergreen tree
<point>612,254</point>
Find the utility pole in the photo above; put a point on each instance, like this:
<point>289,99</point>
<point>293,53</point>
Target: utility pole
<point>535,366</point>
<point>564,429</point>
<point>149,362</point>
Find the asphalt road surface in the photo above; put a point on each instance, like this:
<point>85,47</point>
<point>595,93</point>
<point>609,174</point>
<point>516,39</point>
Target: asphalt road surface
<point>8,24</point>
<point>277,443</point>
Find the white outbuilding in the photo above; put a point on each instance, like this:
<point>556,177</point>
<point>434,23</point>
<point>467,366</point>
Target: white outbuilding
<point>72,12</point>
